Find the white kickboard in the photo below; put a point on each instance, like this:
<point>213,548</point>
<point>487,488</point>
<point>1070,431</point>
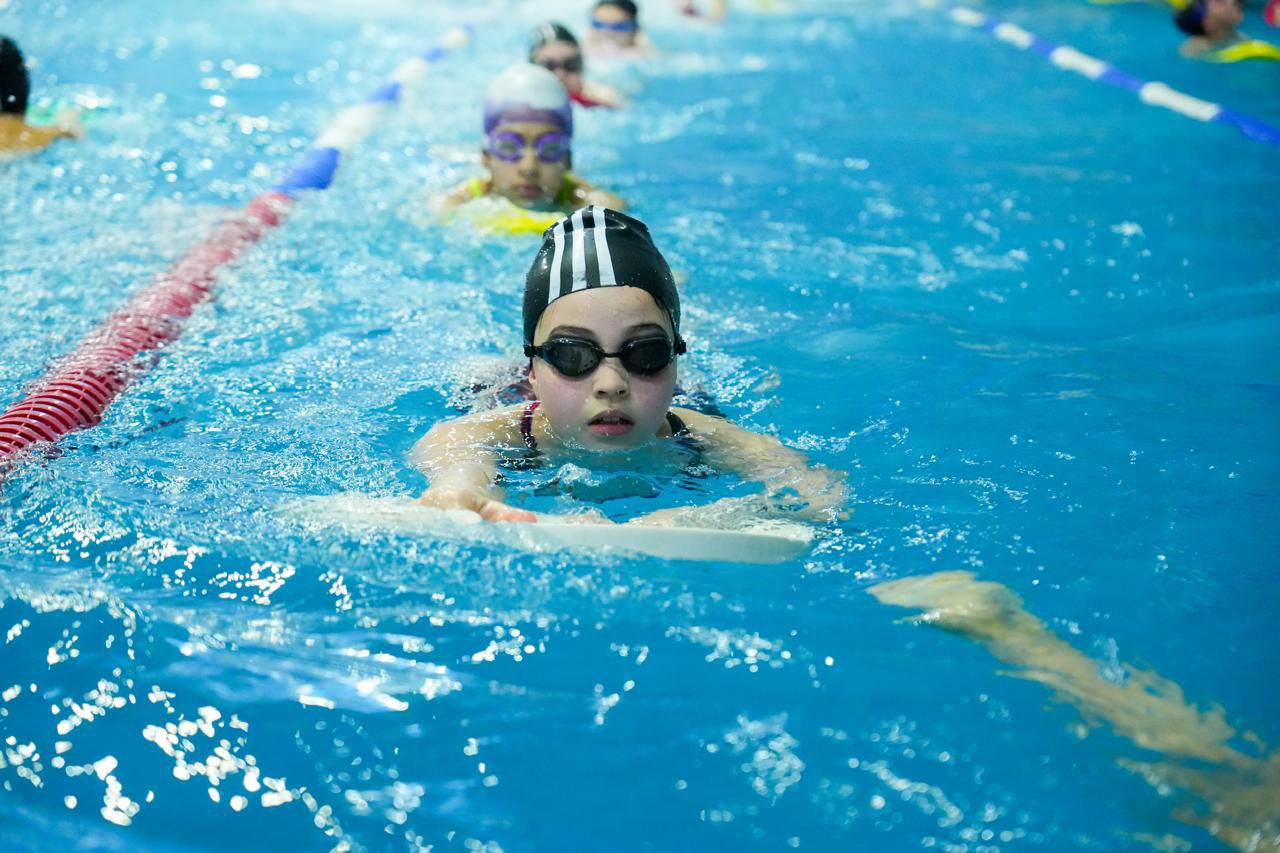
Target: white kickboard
<point>767,542</point>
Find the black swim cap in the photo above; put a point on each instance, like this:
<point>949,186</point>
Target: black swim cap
<point>597,247</point>
<point>15,85</point>
<point>1191,19</point>
<point>625,5</point>
<point>549,33</point>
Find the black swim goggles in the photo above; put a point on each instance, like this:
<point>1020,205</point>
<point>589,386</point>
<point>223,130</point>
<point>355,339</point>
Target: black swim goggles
<point>575,357</point>
<point>571,64</point>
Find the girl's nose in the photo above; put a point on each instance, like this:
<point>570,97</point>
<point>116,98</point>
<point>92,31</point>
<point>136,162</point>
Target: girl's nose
<point>611,379</point>
<point>529,160</point>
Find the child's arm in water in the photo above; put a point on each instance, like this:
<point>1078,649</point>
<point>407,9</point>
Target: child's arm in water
<point>602,94</point>
<point>585,194</point>
<point>461,194</point>
<point>793,487</point>
<point>460,459</point>
<point>1200,752</point>
<point>1195,46</point>
<point>17,136</point>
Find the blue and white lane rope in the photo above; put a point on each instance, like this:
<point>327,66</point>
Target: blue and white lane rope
<point>316,167</point>
<point>1149,92</point>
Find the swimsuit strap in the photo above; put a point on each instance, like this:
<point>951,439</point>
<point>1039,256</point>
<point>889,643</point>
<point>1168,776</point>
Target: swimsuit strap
<point>678,427</point>
<point>526,426</point>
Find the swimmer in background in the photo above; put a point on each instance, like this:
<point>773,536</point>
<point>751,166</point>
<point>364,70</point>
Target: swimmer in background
<point>528,124</point>
<point>16,136</point>
<point>555,49</point>
<point>1211,25</point>
<point>615,31</point>
<point>602,331</point>
<point>716,9</point>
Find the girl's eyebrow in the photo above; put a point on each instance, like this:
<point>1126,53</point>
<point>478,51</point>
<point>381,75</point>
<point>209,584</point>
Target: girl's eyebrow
<point>572,330</point>
<point>645,327</point>
<point>579,332</point>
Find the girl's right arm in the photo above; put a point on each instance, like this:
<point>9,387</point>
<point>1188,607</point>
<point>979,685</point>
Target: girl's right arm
<point>461,463</point>
<point>459,195</point>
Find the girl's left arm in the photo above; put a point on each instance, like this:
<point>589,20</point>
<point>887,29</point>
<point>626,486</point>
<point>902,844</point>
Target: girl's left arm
<point>584,194</point>
<point>793,486</point>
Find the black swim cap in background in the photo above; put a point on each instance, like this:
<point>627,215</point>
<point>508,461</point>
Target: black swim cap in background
<point>15,85</point>
<point>597,247</point>
<point>549,33</point>
<point>1191,19</point>
<point>625,5</point>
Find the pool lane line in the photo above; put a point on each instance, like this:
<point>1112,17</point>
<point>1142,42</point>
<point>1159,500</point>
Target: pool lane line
<point>77,390</point>
<point>1149,92</point>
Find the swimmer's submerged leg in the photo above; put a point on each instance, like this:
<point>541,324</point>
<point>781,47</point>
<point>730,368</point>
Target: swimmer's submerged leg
<point>1239,795</point>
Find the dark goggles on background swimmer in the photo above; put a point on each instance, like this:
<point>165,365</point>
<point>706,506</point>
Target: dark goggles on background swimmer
<point>509,145</point>
<point>614,26</point>
<point>572,65</point>
<point>575,357</point>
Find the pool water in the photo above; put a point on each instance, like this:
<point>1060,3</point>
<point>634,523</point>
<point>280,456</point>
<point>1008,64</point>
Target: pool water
<point>1034,320</point>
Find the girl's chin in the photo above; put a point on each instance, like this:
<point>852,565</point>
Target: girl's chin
<point>538,202</point>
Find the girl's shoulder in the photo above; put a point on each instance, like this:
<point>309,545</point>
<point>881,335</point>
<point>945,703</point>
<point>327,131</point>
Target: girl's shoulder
<point>489,427</point>
<point>504,416</point>
<point>700,424</point>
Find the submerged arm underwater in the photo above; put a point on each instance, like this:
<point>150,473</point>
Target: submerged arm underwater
<point>1238,794</point>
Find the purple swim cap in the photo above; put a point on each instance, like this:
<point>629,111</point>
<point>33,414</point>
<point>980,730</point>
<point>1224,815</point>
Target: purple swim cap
<point>527,92</point>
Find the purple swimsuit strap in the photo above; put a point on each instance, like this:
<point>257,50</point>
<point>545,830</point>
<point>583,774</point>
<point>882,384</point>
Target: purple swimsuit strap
<point>526,425</point>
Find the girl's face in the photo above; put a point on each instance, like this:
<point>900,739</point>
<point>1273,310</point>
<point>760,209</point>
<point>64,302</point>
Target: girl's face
<point>1221,17</point>
<point>609,408</point>
<point>563,60</point>
<point>529,180</point>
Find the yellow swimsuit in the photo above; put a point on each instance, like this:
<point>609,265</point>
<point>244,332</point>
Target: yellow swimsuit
<point>1248,49</point>
<point>501,216</point>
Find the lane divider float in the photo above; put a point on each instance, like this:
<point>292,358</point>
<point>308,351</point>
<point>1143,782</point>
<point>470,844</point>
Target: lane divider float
<point>1149,92</point>
<point>77,390</point>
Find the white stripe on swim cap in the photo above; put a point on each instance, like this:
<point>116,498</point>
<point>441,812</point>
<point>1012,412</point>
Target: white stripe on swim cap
<point>557,258</point>
<point>603,258</point>
<point>579,254</point>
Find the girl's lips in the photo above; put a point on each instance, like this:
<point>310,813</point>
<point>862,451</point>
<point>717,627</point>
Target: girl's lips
<point>610,424</point>
<point>530,192</point>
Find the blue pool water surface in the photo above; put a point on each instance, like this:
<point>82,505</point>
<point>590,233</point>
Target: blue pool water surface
<point>1035,321</point>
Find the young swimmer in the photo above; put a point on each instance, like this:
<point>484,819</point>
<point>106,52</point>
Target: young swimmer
<point>16,136</point>
<point>1211,25</point>
<point>528,124</point>
<point>555,49</point>
<point>602,330</point>
<point>615,30</point>
<point>716,9</point>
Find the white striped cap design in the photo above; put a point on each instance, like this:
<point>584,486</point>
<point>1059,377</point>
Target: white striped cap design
<point>596,247</point>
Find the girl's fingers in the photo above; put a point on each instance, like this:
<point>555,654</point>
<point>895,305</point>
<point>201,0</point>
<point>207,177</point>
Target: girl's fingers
<point>497,511</point>
<point>486,508</point>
